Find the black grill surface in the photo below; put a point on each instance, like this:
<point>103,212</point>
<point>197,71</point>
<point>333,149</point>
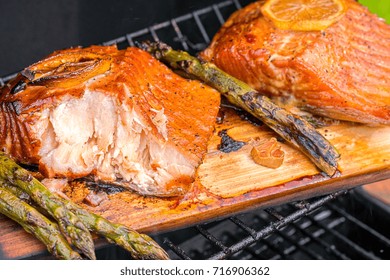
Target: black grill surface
<point>337,226</point>
<point>344,227</point>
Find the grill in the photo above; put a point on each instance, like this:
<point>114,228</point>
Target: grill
<point>180,32</point>
<point>342,225</point>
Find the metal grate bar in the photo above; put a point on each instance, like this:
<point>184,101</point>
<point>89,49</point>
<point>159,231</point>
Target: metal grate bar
<point>330,229</point>
<point>252,232</point>
<point>362,225</point>
<point>176,249</point>
<point>201,28</point>
<point>213,239</point>
<point>174,23</point>
<point>300,245</point>
<point>219,14</point>
<point>138,33</point>
<point>330,248</point>
<point>130,40</point>
<point>279,217</point>
<point>179,34</point>
<point>272,227</point>
<point>304,211</point>
<point>115,41</point>
<point>183,18</point>
<point>280,254</point>
<point>300,204</point>
<point>237,4</point>
<point>243,226</point>
<point>153,33</point>
<point>161,25</point>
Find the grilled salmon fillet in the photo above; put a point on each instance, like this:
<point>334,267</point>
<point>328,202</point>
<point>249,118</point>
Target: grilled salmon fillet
<point>341,72</point>
<point>119,116</point>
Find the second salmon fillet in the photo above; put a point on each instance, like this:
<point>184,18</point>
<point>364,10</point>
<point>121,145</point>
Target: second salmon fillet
<point>341,72</point>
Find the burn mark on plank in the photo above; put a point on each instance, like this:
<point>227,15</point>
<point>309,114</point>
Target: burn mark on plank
<point>228,144</point>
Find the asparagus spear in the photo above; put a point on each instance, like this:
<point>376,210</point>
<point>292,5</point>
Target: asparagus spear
<point>37,224</point>
<point>69,223</point>
<point>20,194</point>
<point>139,245</point>
<point>289,126</point>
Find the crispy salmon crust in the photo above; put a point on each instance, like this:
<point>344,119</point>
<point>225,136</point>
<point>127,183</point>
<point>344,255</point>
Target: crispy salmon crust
<point>341,72</point>
<point>137,124</point>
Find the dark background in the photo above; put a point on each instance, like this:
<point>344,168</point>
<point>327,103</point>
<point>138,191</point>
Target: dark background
<point>32,29</point>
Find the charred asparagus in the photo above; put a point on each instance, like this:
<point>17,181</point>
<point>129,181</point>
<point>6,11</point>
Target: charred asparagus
<point>289,126</point>
<point>69,223</point>
<point>140,246</point>
<point>37,224</point>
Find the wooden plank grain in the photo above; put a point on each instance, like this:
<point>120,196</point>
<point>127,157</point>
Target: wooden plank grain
<point>15,243</point>
<point>229,183</point>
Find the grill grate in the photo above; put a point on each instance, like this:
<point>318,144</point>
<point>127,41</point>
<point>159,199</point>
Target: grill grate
<point>329,227</point>
<point>319,228</point>
<point>191,32</point>
<point>343,225</point>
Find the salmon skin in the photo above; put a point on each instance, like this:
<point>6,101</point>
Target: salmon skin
<point>341,72</point>
<point>118,116</point>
